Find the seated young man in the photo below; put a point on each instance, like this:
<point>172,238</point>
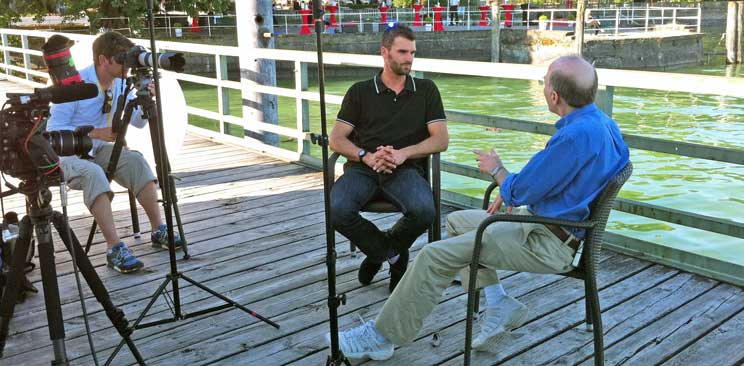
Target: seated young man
<point>560,181</point>
<point>132,171</point>
<point>386,128</point>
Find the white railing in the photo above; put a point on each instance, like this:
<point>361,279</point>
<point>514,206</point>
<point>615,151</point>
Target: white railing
<point>613,21</point>
<point>20,69</point>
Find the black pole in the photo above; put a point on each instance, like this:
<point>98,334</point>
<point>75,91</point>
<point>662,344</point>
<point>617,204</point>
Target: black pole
<point>334,301</point>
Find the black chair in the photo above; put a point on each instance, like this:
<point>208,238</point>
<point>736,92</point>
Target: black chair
<point>379,204</point>
<point>587,269</point>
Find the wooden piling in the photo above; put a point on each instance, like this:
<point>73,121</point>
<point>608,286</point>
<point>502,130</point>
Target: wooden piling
<point>734,32</point>
<point>579,30</point>
<point>495,32</point>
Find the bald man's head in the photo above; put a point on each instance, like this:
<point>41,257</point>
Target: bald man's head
<point>574,79</point>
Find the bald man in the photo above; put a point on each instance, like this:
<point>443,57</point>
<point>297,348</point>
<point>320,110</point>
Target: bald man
<point>560,181</point>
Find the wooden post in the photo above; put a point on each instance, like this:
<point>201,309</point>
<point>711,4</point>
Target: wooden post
<point>495,33</point>
<point>604,97</point>
<point>302,105</point>
<point>223,94</point>
<point>254,18</point>
<point>579,30</point>
<point>733,32</point>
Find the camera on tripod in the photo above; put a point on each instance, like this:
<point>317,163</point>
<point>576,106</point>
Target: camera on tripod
<point>139,57</point>
<point>25,150</point>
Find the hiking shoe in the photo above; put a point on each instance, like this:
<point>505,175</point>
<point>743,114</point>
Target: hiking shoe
<point>364,342</point>
<point>497,321</point>
<point>398,269</point>
<point>160,238</point>
<point>122,259</point>
<point>367,271</point>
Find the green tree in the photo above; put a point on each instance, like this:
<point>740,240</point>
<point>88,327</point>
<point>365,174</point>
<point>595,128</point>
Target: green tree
<point>101,13</point>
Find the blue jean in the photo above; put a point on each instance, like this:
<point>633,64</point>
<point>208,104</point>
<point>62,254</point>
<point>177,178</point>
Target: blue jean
<point>405,188</point>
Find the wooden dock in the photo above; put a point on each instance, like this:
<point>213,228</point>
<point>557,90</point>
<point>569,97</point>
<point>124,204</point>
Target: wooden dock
<point>255,227</point>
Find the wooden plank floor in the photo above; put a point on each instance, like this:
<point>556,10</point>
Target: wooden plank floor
<point>256,231</point>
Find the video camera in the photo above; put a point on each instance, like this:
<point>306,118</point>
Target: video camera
<point>138,56</point>
<point>26,150</point>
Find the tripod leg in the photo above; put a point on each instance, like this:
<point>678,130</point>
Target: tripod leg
<point>15,277</point>
<point>135,217</point>
<point>91,234</point>
<point>51,290</point>
<point>116,315</point>
<point>174,203</point>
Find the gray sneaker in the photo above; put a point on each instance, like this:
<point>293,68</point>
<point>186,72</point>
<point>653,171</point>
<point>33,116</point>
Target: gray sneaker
<point>497,321</point>
<point>361,342</point>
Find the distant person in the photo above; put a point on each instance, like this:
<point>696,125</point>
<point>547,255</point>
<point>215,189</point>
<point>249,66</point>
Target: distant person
<point>386,128</point>
<point>591,22</point>
<point>454,16</point>
<point>560,181</point>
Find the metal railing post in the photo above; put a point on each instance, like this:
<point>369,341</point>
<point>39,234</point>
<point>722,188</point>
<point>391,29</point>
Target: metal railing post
<point>286,24</point>
<point>617,21</point>
<point>645,26</point>
<point>662,16</point>
<point>302,106</point>
<point>674,16</point>
<point>699,17</point>
<point>551,19</point>
<point>361,24</point>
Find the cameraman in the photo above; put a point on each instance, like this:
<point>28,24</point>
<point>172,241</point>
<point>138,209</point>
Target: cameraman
<point>132,171</point>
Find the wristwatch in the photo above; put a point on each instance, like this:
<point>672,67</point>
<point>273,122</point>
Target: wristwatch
<point>361,154</point>
<point>495,171</point>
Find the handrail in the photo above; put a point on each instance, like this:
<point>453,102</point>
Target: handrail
<point>694,84</point>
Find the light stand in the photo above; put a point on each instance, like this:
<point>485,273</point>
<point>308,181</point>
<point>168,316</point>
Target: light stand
<point>153,112</point>
<point>336,357</point>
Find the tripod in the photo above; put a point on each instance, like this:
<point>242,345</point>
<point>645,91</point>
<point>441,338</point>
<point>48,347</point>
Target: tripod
<point>153,112</point>
<point>38,220</point>
<point>336,357</point>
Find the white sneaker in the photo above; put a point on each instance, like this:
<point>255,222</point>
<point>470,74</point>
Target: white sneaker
<point>361,342</point>
<point>497,321</point>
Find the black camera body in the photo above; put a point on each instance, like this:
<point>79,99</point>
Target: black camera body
<point>27,152</point>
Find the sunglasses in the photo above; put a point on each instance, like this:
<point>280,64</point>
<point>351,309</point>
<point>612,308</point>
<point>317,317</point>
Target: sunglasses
<point>107,99</point>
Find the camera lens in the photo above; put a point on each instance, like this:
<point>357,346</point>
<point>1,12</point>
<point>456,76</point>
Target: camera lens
<point>68,143</point>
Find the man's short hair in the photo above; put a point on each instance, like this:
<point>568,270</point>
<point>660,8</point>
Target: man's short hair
<point>574,94</point>
<point>398,30</point>
<point>109,44</point>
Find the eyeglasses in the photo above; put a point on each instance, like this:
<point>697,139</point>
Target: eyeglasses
<point>107,99</point>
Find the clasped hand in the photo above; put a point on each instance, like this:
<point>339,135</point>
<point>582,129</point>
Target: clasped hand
<point>385,159</point>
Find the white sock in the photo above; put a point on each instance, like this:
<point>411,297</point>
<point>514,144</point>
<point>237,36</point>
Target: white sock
<point>378,336</point>
<point>392,257</point>
<point>494,294</point>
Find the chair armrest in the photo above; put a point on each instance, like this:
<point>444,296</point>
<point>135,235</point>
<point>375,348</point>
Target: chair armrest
<point>332,166</point>
<point>487,195</point>
<point>533,219</point>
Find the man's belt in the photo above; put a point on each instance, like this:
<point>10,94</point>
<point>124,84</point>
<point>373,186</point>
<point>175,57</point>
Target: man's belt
<point>563,236</point>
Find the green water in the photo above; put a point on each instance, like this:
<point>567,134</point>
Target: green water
<point>694,185</point>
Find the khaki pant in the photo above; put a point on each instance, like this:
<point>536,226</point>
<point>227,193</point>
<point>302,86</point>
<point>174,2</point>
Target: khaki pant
<point>506,246</point>
<point>132,172</point>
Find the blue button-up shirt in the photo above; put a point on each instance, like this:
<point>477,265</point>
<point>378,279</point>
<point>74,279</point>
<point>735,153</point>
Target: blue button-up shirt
<point>68,116</point>
<point>578,161</point>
